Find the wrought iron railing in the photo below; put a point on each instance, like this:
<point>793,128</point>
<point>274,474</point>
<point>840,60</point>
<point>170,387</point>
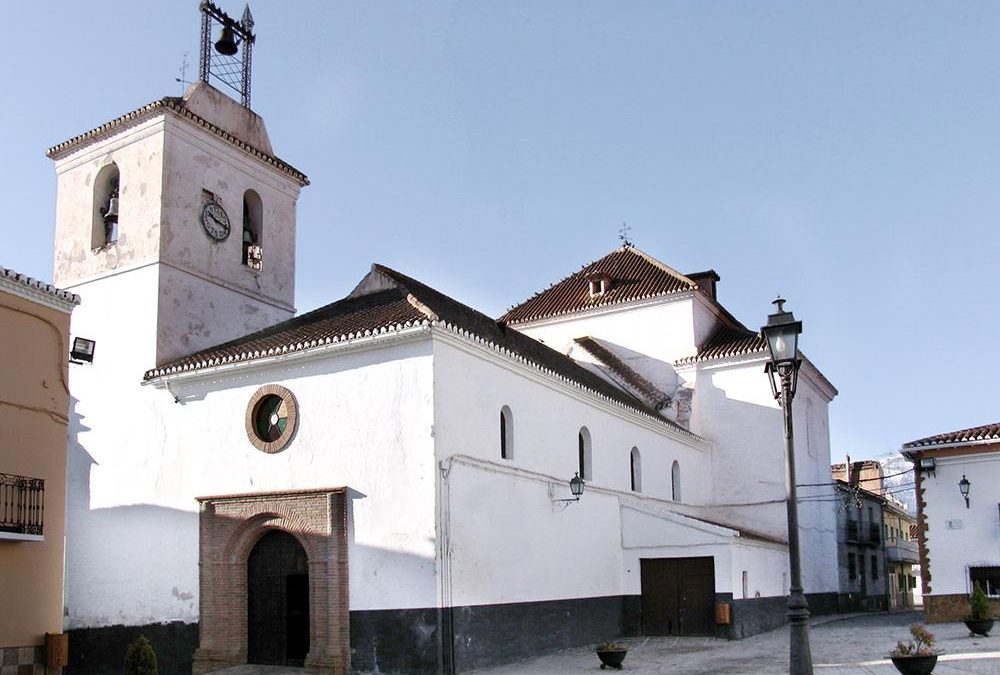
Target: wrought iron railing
<point>22,504</point>
<point>863,533</point>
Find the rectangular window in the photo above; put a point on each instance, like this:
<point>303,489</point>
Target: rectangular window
<point>852,567</point>
<point>874,568</point>
<point>746,585</point>
<point>861,566</point>
<point>988,578</point>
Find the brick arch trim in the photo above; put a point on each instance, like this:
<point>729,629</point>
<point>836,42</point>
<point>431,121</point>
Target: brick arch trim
<point>229,527</point>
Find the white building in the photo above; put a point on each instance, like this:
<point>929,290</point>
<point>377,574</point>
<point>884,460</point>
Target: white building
<point>957,533</point>
<point>382,484</point>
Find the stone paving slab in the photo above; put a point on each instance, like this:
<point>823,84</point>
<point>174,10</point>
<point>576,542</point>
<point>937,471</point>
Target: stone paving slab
<point>844,645</point>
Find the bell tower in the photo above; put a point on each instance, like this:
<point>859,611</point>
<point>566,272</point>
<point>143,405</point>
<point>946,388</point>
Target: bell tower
<point>176,222</point>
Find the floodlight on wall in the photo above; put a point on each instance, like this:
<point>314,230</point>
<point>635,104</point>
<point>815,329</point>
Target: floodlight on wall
<point>963,487</point>
<point>82,351</point>
<point>575,487</point>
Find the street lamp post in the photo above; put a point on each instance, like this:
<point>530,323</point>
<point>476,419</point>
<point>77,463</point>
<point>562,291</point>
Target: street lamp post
<point>782,335</point>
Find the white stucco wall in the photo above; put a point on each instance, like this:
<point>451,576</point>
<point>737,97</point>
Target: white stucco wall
<point>364,422</point>
<point>661,329</point>
<point>505,539</point>
<point>734,408</point>
<point>958,537</point>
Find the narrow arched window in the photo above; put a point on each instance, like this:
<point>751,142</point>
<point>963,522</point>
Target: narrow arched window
<point>253,230</point>
<point>506,433</point>
<point>106,204</point>
<point>584,465</point>
<point>675,482</point>
<point>635,470</point>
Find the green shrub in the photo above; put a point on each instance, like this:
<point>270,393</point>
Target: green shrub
<point>979,606</point>
<point>140,659</point>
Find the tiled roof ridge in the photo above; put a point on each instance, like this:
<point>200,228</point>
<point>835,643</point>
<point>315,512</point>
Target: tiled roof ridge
<point>174,104</point>
<point>409,290</point>
<point>509,353</point>
<point>984,432</point>
<point>657,398</point>
<point>727,341</point>
<point>593,268</point>
<point>193,362</point>
<point>39,286</point>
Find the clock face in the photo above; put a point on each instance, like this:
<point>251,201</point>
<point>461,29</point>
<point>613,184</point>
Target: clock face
<point>215,220</point>
<point>271,418</point>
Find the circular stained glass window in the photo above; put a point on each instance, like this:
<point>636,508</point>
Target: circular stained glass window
<point>271,418</point>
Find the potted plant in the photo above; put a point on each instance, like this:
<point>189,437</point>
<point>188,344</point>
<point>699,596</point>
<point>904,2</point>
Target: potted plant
<point>978,622</point>
<point>918,656</point>
<point>611,654</point>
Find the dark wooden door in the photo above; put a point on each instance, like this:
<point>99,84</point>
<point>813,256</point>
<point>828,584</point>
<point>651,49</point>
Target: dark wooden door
<point>277,601</point>
<point>678,596</point>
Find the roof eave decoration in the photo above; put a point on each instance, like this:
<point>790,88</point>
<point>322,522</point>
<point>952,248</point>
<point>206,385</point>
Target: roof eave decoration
<point>987,433</point>
<point>34,289</point>
<point>175,105</point>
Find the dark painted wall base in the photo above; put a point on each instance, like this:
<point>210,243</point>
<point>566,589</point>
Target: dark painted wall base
<point>431,641</point>
<point>101,651</point>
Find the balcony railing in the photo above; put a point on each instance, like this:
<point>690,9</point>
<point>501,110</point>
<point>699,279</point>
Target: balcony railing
<point>22,504</point>
<point>902,550</point>
<point>863,533</point>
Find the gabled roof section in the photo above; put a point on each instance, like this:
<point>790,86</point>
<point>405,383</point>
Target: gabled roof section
<point>986,432</point>
<point>727,342</point>
<point>387,301</point>
<point>634,275</point>
<point>632,379</point>
<point>178,106</point>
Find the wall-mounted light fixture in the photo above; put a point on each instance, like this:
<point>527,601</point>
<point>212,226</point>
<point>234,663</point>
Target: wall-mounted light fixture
<point>927,465</point>
<point>963,487</point>
<point>576,487</point>
<point>83,351</point>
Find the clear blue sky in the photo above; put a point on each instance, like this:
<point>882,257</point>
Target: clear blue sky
<point>844,154</point>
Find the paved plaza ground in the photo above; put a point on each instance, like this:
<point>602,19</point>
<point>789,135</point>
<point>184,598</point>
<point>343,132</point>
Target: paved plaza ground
<point>840,645</point>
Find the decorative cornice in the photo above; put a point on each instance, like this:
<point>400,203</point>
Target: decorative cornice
<point>37,291</point>
<point>176,106</point>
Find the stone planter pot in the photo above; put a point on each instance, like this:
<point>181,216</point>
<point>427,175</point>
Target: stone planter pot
<point>612,657</point>
<point>915,665</point>
<point>979,626</point>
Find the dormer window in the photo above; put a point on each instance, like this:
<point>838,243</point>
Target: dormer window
<point>599,284</point>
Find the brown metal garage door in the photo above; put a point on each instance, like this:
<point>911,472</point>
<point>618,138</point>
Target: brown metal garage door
<point>678,596</point>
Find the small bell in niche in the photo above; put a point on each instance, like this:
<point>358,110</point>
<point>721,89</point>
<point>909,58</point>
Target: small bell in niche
<point>226,43</point>
<point>110,214</point>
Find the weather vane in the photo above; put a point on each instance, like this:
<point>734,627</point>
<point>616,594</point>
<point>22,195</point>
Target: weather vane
<point>222,63</point>
<point>623,234</point>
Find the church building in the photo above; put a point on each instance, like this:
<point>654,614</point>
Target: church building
<point>396,482</point>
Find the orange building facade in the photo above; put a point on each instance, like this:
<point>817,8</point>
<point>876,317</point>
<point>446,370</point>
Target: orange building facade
<point>34,407</point>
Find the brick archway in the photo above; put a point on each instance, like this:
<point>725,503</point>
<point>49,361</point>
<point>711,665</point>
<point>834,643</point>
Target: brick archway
<point>229,527</point>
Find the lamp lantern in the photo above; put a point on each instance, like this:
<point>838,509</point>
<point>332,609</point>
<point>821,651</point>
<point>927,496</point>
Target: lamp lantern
<point>576,485</point>
<point>782,336</point>
<point>963,487</point>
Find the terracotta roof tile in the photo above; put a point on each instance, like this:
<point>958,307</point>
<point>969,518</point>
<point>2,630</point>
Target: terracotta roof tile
<point>987,432</point>
<point>646,389</point>
<point>175,105</point>
<point>727,342</point>
<point>408,303</point>
<point>634,276</point>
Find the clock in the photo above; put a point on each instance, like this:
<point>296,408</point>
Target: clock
<point>271,418</point>
<point>215,220</point>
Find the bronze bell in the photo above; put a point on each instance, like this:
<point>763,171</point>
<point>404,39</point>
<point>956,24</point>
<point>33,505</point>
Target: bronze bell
<point>111,215</point>
<point>227,41</point>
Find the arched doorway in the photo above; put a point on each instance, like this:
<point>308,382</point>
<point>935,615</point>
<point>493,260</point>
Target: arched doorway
<point>277,601</point>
